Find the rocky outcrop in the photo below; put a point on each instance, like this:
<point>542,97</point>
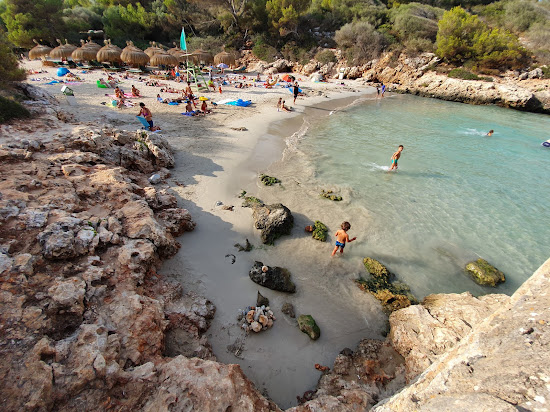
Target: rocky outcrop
<point>273,221</point>
<point>483,273</point>
<point>421,333</point>
<point>500,365</point>
<point>358,379</point>
<point>416,76</point>
<point>274,277</point>
<point>86,321</point>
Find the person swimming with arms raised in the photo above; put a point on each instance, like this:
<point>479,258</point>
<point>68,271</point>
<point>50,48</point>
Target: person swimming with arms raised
<point>395,157</point>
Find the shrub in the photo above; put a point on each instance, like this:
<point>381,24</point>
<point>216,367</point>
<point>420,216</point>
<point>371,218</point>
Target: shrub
<point>325,56</point>
<point>414,20</point>
<point>264,51</point>
<point>463,37</point>
<point>414,46</point>
<point>463,74</point>
<point>10,109</point>
<point>360,42</point>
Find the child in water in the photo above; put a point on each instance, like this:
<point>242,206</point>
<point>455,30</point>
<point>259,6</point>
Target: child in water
<point>395,157</point>
<point>342,237</point>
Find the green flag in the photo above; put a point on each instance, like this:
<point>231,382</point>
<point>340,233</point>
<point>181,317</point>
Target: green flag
<point>183,45</point>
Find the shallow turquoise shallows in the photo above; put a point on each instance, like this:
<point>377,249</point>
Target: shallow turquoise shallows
<point>457,194</point>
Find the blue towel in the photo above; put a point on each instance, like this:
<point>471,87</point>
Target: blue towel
<point>173,103</point>
<point>240,102</point>
<point>53,82</point>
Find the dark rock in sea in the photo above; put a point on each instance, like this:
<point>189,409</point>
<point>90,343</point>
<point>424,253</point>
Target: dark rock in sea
<point>288,309</point>
<point>320,231</point>
<point>346,352</point>
<point>307,324</point>
<point>269,180</point>
<point>273,220</point>
<point>483,273</point>
<point>329,194</point>
<point>392,294</point>
<point>261,300</point>
<point>275,278</point>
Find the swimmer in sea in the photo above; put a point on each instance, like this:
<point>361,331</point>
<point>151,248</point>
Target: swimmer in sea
<point>395,157</point>
<point>490,132</point>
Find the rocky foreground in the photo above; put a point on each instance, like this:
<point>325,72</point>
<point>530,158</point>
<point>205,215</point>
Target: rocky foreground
<point>87,323</point>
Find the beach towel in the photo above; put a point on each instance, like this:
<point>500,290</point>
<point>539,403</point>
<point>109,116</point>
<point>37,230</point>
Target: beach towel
<point>173,104</point>
<point>53,82</point>
<point>240,103</point>
<point>101,86</point>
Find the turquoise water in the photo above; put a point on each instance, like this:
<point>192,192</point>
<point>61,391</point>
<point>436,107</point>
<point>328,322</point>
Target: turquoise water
<point>457,194</point>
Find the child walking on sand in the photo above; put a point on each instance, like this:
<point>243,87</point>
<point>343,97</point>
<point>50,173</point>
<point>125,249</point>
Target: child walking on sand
<point>342,237</point>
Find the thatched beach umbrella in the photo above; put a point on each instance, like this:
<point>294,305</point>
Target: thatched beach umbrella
<point>175,50</point>
<point>61,52</point>
<point>133,55</point>
<point>84,53</point>
<point>69,46</point>
<point>39,51</point>
<point>92,45</point>
<point>164,59</point>
<point>225,58</point>
<point>183,57</point>
<point>202,57</point>
<point>108,53</point>
<point>154,49</point>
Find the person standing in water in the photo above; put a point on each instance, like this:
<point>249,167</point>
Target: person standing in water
<point>395,157</point>
<point>342,237</point>
<point>383,89</point>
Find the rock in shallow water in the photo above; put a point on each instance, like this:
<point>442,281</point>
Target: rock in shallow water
<point>483,273</point>
<point>275,278</point>
<point>307,324</point>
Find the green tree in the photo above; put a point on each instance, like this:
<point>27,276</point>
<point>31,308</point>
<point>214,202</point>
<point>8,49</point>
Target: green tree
<point>463,37</point>
<point>284,15</point>
<point>360,42</point>
<point>28,19</point>
<point>9,66</point>
<point>415,20</point>
<point>130,22</point>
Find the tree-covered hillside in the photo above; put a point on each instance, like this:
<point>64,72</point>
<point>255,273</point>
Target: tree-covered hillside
<point>476,33</point>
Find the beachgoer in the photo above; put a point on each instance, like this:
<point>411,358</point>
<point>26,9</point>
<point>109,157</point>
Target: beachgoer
<point>342,237</point>
<point>284,107</point>
<point>145,112</point>
<point>490,132</point>
<point>204,107</point>
<point>189,108</point>
<point>160,99</point>
<point>296,91</point>
<point>279,103</point>
<point>383,89</point>
<point>135,92</point>
<point>378,91</point>
<point>395,157</point>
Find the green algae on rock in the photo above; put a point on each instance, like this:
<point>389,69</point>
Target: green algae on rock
<point>483,273</point>
<point>393,295</point>
<point>307,324</point>
<point>329,194</point>
<point>319,231</point>
<point>269,180</point>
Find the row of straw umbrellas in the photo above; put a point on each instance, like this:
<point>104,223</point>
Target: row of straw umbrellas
<point>154,55</point>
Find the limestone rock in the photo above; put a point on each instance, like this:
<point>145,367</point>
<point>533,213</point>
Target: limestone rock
<point>307,324</point>
<point>159,199</point>
<point>421,333</point>
<point>161,150</point>
<point>484,273</point>
<point>177,221</point>
<point>275,278</point>
<point>58,239</point>
<point>195,384</point>
<point>502,359</point>
<point>273,221</point>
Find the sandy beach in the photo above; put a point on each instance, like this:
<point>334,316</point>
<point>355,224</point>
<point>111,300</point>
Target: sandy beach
<point>215,160</point>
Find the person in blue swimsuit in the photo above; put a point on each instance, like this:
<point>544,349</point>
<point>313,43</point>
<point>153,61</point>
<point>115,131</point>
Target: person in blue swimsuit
<point>342,237</point>
<point>395,157</point>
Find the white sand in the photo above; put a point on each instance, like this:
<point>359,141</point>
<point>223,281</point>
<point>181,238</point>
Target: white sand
<point>214,163</point>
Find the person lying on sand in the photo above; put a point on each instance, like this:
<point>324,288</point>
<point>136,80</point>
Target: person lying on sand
<point>285,107</point>
<point>104,83</point>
